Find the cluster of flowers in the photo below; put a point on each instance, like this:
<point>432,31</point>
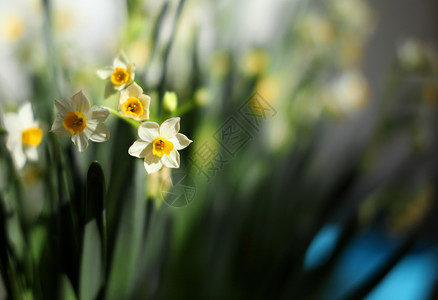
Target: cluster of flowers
<point>76,118</point>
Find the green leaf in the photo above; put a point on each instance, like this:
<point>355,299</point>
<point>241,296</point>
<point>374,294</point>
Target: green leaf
<point>66,291</point>
<point>91,273</point>
<point>129,238</point>
<point>95,199</point>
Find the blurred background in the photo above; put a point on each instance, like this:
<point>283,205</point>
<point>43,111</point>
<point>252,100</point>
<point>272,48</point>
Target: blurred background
<point>312,173</point>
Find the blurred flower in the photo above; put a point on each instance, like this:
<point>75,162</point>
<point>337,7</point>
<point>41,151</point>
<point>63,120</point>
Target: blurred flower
<point>32,179</point>
<point>13,28</point>
<point>255,62</point>
<point>317,29</point>
<point>170,102</point>
<point>348,93</point>
<point>75,117</point>
<point>220,63</point>
<point>120,74</point>
<point>354,14</point>
<point>412,54</point>
<point>24,135</point>
<point>202,96</point>
<point>84,30</point>
<point>158,145</point>
<point>134,104</point>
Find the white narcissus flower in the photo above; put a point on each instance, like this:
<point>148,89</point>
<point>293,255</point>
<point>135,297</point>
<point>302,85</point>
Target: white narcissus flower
<point>120,74</point>
<point>158,145</point>
<point>24,135</point>
<point>134,104</point>
<point>75,117</point>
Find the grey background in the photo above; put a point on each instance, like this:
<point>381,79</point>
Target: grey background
<point>396,21</point>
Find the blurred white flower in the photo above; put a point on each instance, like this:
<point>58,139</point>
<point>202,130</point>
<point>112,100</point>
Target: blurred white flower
<point>158,145</point>
<point>75,117</point>
<point>356,14</point>
<point>349,93</point>
<point>120,74</point>
<point>134,104</point>
<point>412,54</point>
<point>24,135</point>
<point>85,29</point>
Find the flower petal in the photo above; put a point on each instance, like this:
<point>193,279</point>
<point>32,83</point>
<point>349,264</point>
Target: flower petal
<point>171,160</point>
<point>99,113</point>
<point>26,114</point>
<point>152,163</point>
<point>63,106</point>
<point>149,131</point>
<point>105,72</point>
<point>169,128</point>
<point>80,102</point>
<point>101,134</point>
<point>31,152</point>
<point>80,140</point>
<point>12,123</point>
<point>180,141</point>
<point>58,128</point>
<point>134,90</point>
<point>139,148</point>
<point>19,158</point>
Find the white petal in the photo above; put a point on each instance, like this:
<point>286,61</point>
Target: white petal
<point>169,128</point>
<point>80,140</point>
<point>19,157</point>
<point>152,163</point>
<point>105,72</point>
<point>171,160</point>
<point>26,114</point>
<point>149,131</point>
<point>134,90</point>
<point>99,113</point>
<point>14,140</point>
<point>31,152</point>
<point>12,122</point>
<point>80,102</point>
<point>124,95</point>
<point>180,141</point>
<point>63,106</point>
<point>139,148</point>
<point>101,134</point>
<point>58,128</point>
<point>121,60</point>
<point>119,63</point>
<point>119,87</point>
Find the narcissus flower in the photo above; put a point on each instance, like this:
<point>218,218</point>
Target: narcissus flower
<point>120,74</point>
<point>24,135</point>
<point>134,104</point>
<point>75,117</point>
<point>158,145</point>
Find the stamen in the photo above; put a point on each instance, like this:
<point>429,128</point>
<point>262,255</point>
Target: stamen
<point>119,76</point>
<point>161,147</point>
<point>74,122</point>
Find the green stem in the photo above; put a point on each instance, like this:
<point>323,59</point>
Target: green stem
<point>119,115</point>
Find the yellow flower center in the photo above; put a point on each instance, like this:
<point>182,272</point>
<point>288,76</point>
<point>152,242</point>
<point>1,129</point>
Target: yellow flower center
<point>133,106</point>
<point>119,76</point>
<point>32,136</point>
<point>75,122</point>
<point>161,146</point>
